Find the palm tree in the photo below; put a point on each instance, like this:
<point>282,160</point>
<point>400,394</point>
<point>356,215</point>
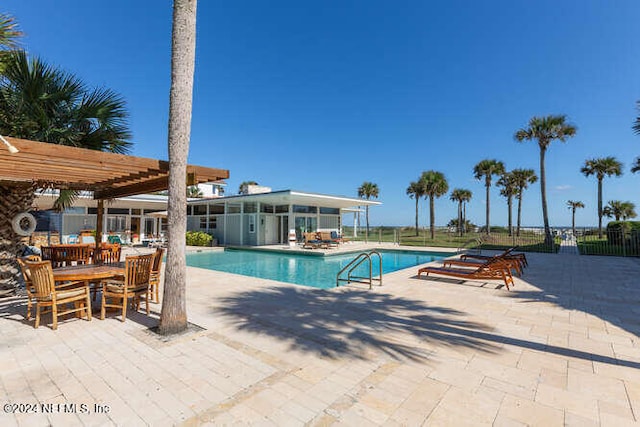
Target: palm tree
<point>415,190</point>
<point>636,124</point>
<point>509,190</point>
<point>368,190</point>
<point>522,178</point>
<point>461,196</point>
<point>544,130</point>
<point>635,167</point>
<point>435,185</point>
<point>605,166</point>
<point>618,209</point>
<point>43,103</point>
<point>573,205</point>
<point>173,317</point>
<point>243,186</point>
<point>488,168</point>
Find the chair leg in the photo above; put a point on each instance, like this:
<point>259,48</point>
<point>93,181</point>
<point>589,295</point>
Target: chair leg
<point>54,313</point>
<point>146,299</point>
<point>88,307</point>
<point>125,301</point>
<point>37,315</point>
<point>102,305</point>
<point>156,288</point>
<point>29,307</point>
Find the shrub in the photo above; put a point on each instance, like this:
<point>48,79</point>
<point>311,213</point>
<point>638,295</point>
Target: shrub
<point>198,238</point>
<point>495,229</point>
<point>618,230</point>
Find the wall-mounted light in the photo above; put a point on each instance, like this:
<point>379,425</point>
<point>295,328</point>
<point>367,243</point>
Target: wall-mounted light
<point>11,148</point>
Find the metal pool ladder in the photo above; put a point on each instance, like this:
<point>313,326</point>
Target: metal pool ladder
<point>355,263</point>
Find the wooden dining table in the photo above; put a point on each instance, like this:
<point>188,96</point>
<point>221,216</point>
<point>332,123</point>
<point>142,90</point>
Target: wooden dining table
<point>88,273</point>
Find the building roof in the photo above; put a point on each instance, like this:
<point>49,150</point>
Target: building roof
<point>108,175</point>
<point>292,197</point>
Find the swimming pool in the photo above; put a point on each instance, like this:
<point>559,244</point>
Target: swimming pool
<point>308,270</point>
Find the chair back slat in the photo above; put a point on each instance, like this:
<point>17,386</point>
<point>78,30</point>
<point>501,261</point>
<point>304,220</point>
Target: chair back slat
<point>107,254</point>
<point>137,270</point>
<point>157,260</point>
<point>41,278</point>
<point>24,268</point>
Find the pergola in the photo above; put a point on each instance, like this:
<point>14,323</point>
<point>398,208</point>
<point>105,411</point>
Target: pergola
<point>108,175</point>
<point>27,165</point>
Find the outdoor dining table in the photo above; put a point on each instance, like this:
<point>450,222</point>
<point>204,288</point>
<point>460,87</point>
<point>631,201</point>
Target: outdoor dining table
<point>88,273</point>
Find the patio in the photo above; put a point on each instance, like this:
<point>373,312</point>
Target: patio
<point>561,349</point>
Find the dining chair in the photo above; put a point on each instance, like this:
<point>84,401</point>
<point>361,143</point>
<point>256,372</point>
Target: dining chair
<point>48,295</point>
<point>28,283</point>
<point>154,277</point>
<point>134,286</point>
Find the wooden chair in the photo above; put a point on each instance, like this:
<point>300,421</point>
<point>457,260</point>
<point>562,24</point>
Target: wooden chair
<point>511,264</point>
<point>154,277</point>
<point>48,295</point>
<point>484,272</point>
<point>107,254</point>
<point>508,254</point>
<point>311,241</point>
<point>134,286</point>
<point>325,238</point>
<point>28,284</point>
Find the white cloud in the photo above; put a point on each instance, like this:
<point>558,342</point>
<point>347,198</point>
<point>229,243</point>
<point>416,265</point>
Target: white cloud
<point>563,187</point>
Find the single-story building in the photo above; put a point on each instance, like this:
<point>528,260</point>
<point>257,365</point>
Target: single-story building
<point>247,219</point>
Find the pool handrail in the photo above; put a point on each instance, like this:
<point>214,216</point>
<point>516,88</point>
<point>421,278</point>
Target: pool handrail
<point>363,256</point>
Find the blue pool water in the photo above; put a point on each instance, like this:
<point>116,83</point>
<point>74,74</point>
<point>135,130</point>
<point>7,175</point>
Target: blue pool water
<point>308,270</point>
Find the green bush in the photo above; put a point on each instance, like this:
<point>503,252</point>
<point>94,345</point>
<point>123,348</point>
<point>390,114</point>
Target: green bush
<point>198,238</point>
<point>619,230</point>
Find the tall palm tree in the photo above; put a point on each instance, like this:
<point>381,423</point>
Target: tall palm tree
<point>487,169</point>
<point>618,209</point>
<point>635,167</point>
<point>415,190</point>
<point>173,317</point>
<point>544,130</point>
<point>522,179</point>
<point>604,166</point>
<point>368,190</point>
<point>509,190</point>
<point>435,185</point>
<point>573,205</point>
<point>460,195</point>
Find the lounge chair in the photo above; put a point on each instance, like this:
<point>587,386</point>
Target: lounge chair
<point>311,241</point>
<point>325,237</point>
<point>507,254</point>
<point>511,264</point>
<point>484,272</point>
<point>337,238</point>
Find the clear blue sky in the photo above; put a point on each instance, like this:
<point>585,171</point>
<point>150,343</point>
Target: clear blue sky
<point>321,96</point>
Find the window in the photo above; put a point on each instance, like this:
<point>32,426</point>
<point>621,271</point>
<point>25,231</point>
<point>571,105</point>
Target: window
<point>216,209</point>
<point>233,208</point>
<point>136,211</point>
<point>304,209</point>
<point>92,211</point>
<point>330,211</point>
<point>282,208</point>
<point>118,211</point>
<point>203,223</point>
<point>252,223</point>
<point>213,223</point>
<point>75,210</point>
<point>250,207</point>
<point>266,208</point>
<point>199,209</point>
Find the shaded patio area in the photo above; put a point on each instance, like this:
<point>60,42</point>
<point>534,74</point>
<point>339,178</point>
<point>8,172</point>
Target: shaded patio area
<point>563,348</point>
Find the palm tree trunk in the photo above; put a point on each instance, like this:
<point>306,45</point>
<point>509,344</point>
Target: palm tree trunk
<point>509,206</point>
<point>417,200</point>
<point>600,208</point>
<point>173,318</point>
<point>464,218</point>
<point>548,240</point>
<point>519,213</point>
<point>488,209</point>
<point>460,218</point>
<point>14,199</point>
<point>573,220</point>
<point>432,217</point>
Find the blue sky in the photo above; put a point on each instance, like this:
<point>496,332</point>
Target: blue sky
<point>321,96</point>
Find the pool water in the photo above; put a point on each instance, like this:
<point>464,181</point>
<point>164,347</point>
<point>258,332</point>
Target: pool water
<point>308,270</point>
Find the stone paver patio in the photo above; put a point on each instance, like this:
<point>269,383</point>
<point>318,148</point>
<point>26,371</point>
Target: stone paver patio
<point>562,348</point>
